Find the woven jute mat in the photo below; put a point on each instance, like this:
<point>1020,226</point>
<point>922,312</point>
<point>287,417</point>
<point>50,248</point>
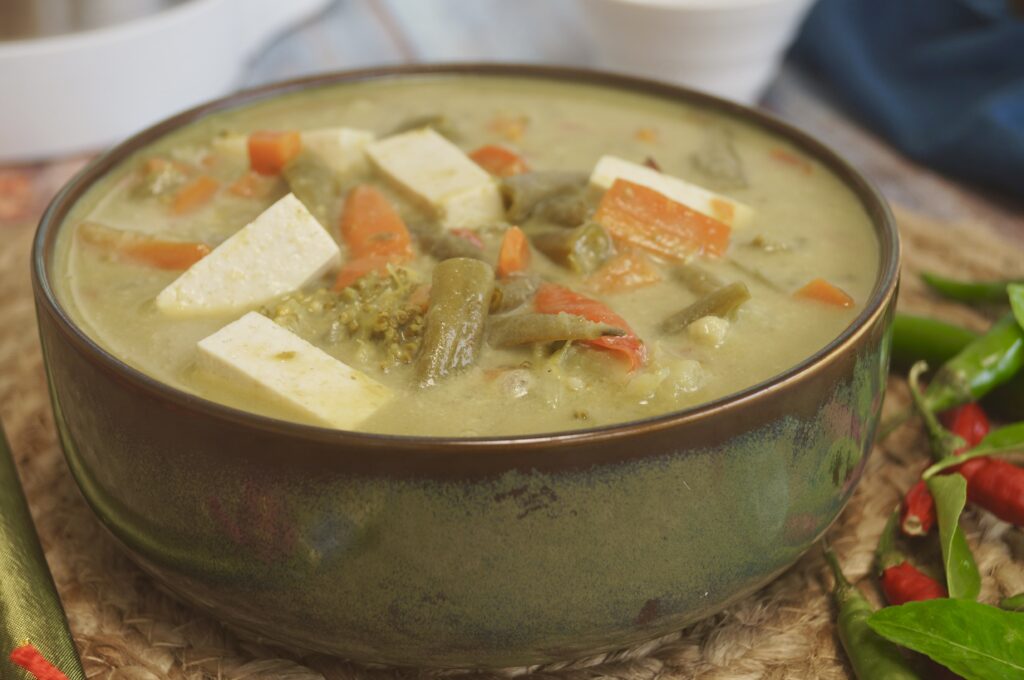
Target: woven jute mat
<point>126,628</point>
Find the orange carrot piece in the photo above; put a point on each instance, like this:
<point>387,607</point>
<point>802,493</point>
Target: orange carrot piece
<point>640,216</point>
<point>142,248</point>
<point>514,255</point>
<point>823,291</point>
<point>723,211</point>
<point>375,234</point>
<point>626,271</point>
<point>511,128</point>
<point>251,185</point>
<point>646,134</point>
<point>270,151</point>
<point>552,299</point>
<point>790,158</point>
<point>499,161</point>
<point>194,195</point>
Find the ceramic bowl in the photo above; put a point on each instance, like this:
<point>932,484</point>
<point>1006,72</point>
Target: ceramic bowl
<point>482,552</point>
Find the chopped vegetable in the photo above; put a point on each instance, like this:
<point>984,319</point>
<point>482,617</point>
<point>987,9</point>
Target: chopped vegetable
<point>902,581</point>
<point>375,234</point>
<point>823,291</point>
<point>195,194</point>
<point>29,657</point>
<point>624,272</point>
<point>553,299</point>
<point>720,302</point>
<point>514,256</point>
<point>159,176</point>
<point>699,280</point>
<point>270,151</point>
<point>460,294</point>
<point>142,248</point>
<point>499,160</point>
<point>515,291</point>
<point>511,128</point>
<point>524,329</point>
<point>443,244</point>
<point>642,217</point>
<point>582,249</point>
<point>871,656</point>
<point>558,197</point>
<point>791,159</point>
<point>251,185</point>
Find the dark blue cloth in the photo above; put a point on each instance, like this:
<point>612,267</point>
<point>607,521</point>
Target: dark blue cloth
<point>943,80</point>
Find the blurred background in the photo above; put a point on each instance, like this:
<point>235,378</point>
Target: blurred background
<point>925,96</point>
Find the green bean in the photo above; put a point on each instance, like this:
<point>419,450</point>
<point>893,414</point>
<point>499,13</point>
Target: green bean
<point>515,291</point>
<point>441,244</point>
<point>718,161</point>
<point>871,656</point>
<point>982,365</point>
<point>968,291</point>
<point>528,329</point>
<point>582,249</point>
<point>525,192</point>
<point>314,184</point>
<point>460,295</point>
<point>699,280</point>
<point>720,302</point>
<point>755,274</point>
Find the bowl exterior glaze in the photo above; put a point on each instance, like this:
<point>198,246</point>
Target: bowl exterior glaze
<point>475,552</point>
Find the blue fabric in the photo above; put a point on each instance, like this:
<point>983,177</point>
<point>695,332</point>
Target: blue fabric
<point>943,80</point>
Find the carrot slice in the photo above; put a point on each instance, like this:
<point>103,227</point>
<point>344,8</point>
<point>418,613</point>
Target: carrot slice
<point>251,185</point>
<point>626,271</point>
<point>499,160</point>
<point>375,234</point>
<point>643,217</point>
<point>143,248</point>
<point>792,159</point>
<point>270,151</point>
<point>552,299</point>
<point>514,255</point>
<point>194,195</point>
<point>823,291</point>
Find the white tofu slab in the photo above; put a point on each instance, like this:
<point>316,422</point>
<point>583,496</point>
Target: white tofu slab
<point>272,363</point>
<point>611,168</point>
<point>437,172</point>
<point>280,251</point>
<point>341,149</point>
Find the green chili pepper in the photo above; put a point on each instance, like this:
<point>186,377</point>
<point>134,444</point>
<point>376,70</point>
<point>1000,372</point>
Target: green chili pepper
<point>967,291</point>
<point>981,366</point>
<point>918,338</point>
<point>944,444</point>
<point>1014,603</point>
<point>871,655</point>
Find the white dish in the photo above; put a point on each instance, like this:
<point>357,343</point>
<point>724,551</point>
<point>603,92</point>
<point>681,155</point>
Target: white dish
<point>81,91</point>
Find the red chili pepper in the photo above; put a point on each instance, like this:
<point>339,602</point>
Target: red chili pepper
<point>906,583</point>
<point>997,486</point>
<point>968,422</point>
<point>29,658</point>
<point>901,581</point>
<point>917,513</point>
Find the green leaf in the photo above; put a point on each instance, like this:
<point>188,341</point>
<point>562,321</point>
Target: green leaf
<point>1015,291</point>
<point>950,494</point>
<point>977,641</point>
<point>1007,439</point>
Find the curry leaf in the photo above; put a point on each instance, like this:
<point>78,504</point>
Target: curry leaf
<point>1002,440</point>
<point>977,641</point>
<point>1015,292</point>
<point>950,494</point>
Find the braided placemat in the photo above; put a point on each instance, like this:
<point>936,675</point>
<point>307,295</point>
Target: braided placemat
<point>127,629</point>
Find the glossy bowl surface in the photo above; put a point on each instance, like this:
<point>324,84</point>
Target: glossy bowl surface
<point>483,552</point>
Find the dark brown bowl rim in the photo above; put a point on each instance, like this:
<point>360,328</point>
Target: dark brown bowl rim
<point>873,203</point>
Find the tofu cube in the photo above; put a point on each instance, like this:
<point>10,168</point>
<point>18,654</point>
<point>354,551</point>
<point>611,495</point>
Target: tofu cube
<point>722,208</point>
<point>440,175</point>
<point>341,149</point>
<point>280,251</point>
<point>273,364</point>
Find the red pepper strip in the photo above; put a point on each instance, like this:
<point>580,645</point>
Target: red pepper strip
<point>902,581</point>
<point>970,423</point>
<point>29,658</point>
<point>905,583</point>
<point>552,299</point>
<point>917,513</point>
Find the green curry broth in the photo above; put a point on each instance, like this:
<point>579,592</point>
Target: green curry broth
<point>821,225</point>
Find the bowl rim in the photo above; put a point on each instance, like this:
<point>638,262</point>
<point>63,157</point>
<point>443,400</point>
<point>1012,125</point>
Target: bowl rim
<point>875,206</point>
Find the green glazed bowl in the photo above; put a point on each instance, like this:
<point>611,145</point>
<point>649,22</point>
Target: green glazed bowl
<point>482,552</point>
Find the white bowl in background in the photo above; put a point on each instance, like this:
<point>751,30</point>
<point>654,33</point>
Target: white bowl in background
<point>83,90</point>
<point>730,48</point>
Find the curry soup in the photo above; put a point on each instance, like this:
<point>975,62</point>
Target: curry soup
<point>466,256</point>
